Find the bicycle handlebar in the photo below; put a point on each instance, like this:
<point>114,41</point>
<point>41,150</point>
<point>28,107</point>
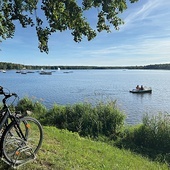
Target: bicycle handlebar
<point>6,95</point>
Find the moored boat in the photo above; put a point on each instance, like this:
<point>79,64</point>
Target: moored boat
<point>45,72</point>
<point>30,71</point>
<point>42,72</point>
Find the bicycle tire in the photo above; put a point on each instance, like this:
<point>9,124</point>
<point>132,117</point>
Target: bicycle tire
<point>15,149</point>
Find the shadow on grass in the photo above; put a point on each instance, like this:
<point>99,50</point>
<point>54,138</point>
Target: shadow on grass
<point>154,155</point>
<point>5,166</point>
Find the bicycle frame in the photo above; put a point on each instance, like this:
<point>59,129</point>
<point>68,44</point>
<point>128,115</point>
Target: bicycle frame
<point>4,118</point>
<point>8,115</point>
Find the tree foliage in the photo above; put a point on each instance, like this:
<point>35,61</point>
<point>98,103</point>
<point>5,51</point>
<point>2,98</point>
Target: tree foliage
<point>49,16</point>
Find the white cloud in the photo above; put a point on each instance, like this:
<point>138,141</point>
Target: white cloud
<point>146,11</point>
<point>144,50</point>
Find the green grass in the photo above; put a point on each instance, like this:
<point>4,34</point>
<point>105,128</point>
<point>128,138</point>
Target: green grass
<point>64,150</point>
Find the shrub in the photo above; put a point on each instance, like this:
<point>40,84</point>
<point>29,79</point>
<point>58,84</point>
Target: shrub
<point>56,117</point>
<point>111,118</point>
<point>39,112</point>
<point>151,138</point>
<point>74,115</point>
<point>91,126</point>
<point>25,104</point>
<point>103,119</point>
<point>154,133</point>
<point>37,108</point>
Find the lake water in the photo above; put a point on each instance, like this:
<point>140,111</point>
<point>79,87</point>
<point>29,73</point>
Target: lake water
<point>95,85</point>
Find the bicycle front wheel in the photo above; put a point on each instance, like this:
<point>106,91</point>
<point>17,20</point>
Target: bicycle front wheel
<point>22,140</point>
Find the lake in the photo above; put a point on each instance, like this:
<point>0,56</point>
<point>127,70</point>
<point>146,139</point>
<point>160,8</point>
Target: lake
<point>95,85</point>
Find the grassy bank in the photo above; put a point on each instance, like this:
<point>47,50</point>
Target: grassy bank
<point>64,150</point>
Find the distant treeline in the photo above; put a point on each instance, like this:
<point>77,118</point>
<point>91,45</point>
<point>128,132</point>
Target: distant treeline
<point>13,66</point>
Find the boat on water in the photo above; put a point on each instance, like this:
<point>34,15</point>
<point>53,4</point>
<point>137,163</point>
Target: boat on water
<point>45,72</point>
<point>144,90</point>
<point>68,72</point>
<point>42,72</point>
<point>30,71</point>
<point>23,72</point>
<point>3,71</point>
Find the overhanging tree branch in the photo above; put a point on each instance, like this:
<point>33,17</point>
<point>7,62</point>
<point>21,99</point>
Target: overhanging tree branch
<point>60,15</point>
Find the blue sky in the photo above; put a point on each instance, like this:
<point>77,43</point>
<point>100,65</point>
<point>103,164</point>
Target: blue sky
<point>144,39</point>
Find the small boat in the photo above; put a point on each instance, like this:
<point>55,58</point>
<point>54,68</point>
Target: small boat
<point>30,71</point>
<point>45,72</point>
<point>68,72</point>
<point>42,72</point>
<point>145,90</point>
<point>23,72</point>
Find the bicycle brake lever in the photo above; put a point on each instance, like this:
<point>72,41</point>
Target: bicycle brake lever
<point>14,94</point>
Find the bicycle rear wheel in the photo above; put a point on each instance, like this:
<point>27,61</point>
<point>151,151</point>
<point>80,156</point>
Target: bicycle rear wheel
<point>17,150</point>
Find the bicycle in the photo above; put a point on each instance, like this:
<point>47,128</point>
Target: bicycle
<point>21,135</point>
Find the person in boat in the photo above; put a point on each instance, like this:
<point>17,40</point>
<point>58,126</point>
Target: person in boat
<point>141,87</point>
<point>137,87</point>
